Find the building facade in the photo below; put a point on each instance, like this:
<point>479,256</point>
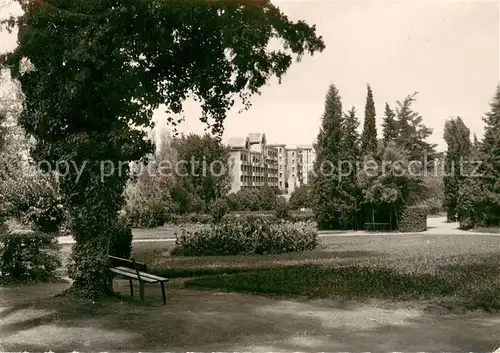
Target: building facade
<point>254,163</point>
<point>308,158</point>
<point>282,165</point>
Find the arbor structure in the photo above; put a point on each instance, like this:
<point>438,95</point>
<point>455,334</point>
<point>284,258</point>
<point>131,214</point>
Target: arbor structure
<point>106,66</point>
<point>369,136</point>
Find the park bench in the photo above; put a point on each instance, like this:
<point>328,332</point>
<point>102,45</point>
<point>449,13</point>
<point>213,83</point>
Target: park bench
<point>135,271</point>
<point>376,226</point>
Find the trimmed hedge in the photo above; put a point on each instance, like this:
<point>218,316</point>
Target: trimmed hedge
<point>246,235</point>
<point>28,257</point>
<point>413,219</point>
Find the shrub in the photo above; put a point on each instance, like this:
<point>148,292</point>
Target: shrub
<point>300,198</point>
<point>37,203</point>
<point>413,219</point>
<point>121,239</point>
<point>253,216</point>
<point>281,208</point>
<point>267,198</point>
<point>243,200</point>
<point>28,256</point>
<point>246,235</point>
<point>147,205</point>
<point>303,217</point>
<point>471,204</point>
<point>192,218</point>
<point>218,209</point>
<point>433,205</point>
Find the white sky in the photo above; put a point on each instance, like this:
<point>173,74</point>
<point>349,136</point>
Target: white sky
<point>447,51</point>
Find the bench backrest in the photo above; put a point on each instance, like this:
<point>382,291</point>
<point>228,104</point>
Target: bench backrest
<point>129,263</point>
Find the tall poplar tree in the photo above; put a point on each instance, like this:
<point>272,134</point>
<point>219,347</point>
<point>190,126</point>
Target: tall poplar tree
<point>329,199</point>
<point>369,137</point>
<point>457,137</point>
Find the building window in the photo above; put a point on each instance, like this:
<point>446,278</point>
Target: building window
<point>293,161</point>
<point>293,169</point>
<point>241,178</point>
<point>281,175</point>
<point>280,149</point>
<point>293,175</point>
<point>293,154</point>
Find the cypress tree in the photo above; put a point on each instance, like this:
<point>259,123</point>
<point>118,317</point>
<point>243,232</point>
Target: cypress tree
<point>328,198</point>
<point>490,169</point>
<point>369,136</point>
<point>457,137</point>
<point>350,153</point>
<point>389,125</point>
<point>412,133</point>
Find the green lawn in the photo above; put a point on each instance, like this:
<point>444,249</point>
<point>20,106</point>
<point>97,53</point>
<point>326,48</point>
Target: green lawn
<point>452,272</point>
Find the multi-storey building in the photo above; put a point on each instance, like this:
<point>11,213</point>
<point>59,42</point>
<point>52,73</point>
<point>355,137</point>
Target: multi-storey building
<point>282,165</point>
<point>253,163</point>
<point>256,163</point>
<point>294,168</point>
<point>308,158</point>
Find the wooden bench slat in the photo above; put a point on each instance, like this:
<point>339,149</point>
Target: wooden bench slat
<point>133,270</point>
<point>145,274</point>
<point>132,275</point>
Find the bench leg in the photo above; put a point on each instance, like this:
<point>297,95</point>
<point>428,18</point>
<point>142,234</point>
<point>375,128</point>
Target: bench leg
<point>141,291</point>
<point>131,287</point>
<point>163,293</point>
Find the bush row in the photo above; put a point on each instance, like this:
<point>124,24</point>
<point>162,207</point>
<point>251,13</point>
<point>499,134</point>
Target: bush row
<point>208,219</point>
<point>246,235</point>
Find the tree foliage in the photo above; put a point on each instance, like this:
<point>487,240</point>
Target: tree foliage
<point>457,137</point>
<point>300,198</point>
<point>412,132</point>
<point>369,136</point>
<point>107,65</point>
<point>202,166</point>
<point>488,174</point>
<point>332,205</point>
<point>389,125</point>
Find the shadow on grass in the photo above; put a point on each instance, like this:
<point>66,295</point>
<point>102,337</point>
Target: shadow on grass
<point>185,267</point>
<point>446,288</point>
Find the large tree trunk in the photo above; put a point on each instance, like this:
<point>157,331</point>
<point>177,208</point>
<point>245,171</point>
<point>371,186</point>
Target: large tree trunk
<point>93,223</point>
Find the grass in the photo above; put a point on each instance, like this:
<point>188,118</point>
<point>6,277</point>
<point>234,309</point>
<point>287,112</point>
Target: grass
<point>451,287</point>
<point>448,272</point>
<point>494,230</point>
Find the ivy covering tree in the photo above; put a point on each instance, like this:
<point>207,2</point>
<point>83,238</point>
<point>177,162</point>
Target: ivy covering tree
<point>369,136</point>
<point>389,125</point>
<point>457,137</point>
<point>97,70</point>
